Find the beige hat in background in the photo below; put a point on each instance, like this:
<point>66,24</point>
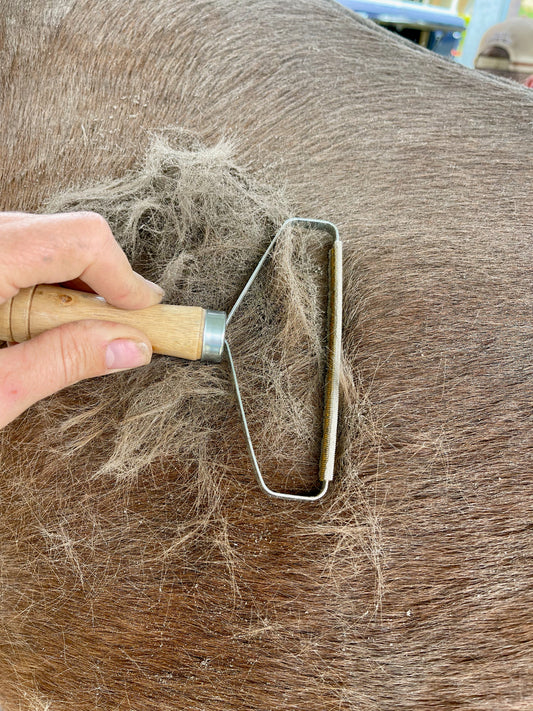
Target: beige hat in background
<point>507,48</point>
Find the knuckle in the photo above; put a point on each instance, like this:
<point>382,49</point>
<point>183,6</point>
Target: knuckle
<point>95,218</point>
<point>99,230</point>
<point>74,356</point>
<point>99,224</point>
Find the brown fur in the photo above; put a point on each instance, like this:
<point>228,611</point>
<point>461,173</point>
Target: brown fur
<point>181,586</point>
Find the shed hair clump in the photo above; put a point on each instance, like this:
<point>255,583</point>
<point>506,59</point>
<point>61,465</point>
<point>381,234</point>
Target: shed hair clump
<point>138,484</point>
<point>196,224</point>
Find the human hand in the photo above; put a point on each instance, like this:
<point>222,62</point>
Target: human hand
<point>52,249</point>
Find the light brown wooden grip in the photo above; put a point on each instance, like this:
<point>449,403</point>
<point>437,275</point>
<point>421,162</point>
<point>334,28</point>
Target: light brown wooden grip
<point>172,330</point>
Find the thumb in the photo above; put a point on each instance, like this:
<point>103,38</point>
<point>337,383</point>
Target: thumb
<point>62,356</point>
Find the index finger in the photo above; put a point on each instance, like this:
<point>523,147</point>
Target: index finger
<point>56,248</point>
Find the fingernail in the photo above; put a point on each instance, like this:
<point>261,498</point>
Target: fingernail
<point>155,287</point>
<point>122,354</point>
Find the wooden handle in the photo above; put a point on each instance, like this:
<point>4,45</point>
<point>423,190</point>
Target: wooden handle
<point>172,330</point>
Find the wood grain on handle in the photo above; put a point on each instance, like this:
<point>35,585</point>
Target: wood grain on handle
<point>172,330</point>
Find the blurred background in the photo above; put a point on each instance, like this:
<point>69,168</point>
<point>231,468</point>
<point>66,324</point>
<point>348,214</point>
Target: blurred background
<point>463,30</point>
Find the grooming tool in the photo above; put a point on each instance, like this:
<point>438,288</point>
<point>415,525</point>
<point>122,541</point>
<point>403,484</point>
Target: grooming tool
<point>193,333</point>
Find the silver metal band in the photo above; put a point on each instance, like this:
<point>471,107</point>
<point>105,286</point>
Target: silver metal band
<point>214,332</point>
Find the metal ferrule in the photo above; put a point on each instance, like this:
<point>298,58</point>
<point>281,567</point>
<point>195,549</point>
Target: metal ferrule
<point>214,332</point>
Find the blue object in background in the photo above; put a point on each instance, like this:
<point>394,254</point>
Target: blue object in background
<point>412,13</point>
<point>436,28</point>
<point>444,43</point>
